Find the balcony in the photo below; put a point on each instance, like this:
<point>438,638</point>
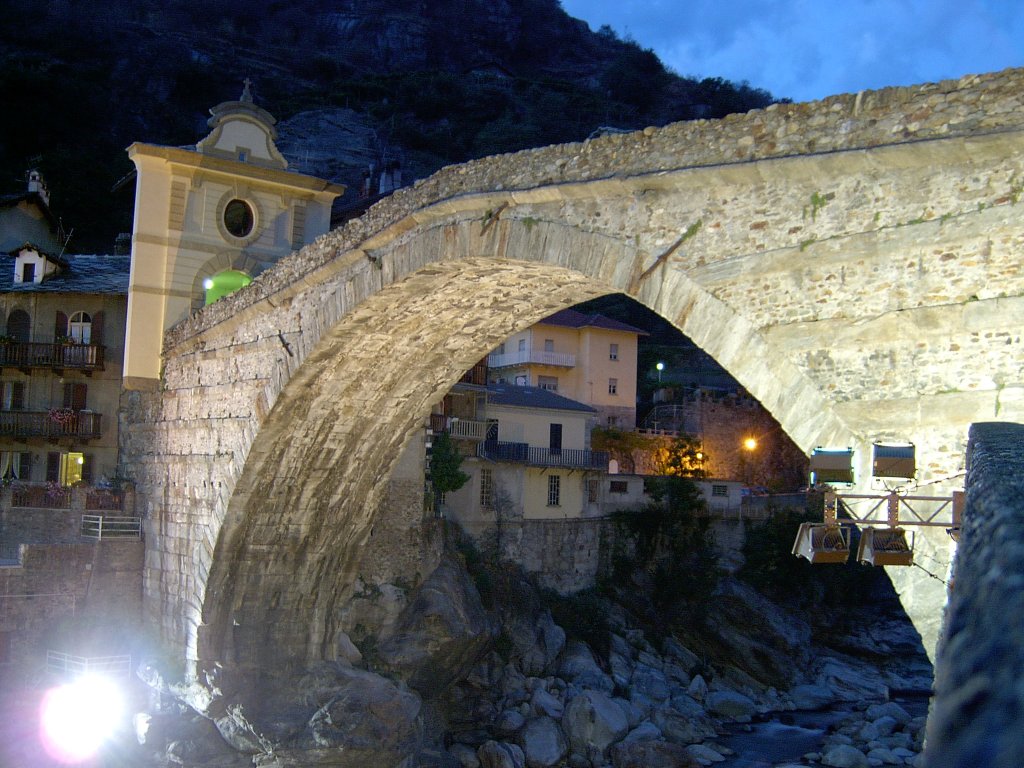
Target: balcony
<point>53,424</point>
<point>26,355</point>
<point>521,453</point>
<point>531,357</point>
<point>458,429</point>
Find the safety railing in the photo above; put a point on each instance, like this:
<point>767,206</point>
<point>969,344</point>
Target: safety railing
<point>30,354</point>
<point>522,453</point>
<point>110,527</point>
<point>62,663</point>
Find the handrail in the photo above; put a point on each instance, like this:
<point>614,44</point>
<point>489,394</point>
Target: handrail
<point>66,663</point>
<point>534,356</point>
<point>522,453</point>
<point>111,527</point>
<point>32,354</point>
<point>57,422</point>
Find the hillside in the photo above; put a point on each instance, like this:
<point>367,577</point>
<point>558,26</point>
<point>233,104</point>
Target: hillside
<point>426,83</point>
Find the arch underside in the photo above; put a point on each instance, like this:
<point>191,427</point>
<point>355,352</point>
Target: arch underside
<point>844,338</point>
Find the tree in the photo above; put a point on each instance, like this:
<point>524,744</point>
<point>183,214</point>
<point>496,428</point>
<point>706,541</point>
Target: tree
<point>445,460</point>
<point>682,457</point>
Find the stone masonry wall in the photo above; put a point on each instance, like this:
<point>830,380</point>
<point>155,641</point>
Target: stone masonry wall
<point>979,700</point>
<point>842,259</point>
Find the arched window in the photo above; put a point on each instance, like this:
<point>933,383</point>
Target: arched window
<point>80,327</point>
<point>223,283</point>
<point>19,326</point>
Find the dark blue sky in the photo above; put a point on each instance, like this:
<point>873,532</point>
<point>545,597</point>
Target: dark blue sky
<point>809,49</point>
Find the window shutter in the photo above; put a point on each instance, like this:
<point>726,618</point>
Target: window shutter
<point>97,329</point>
<point>17,395</point>
<point>53,467</point>
<point>87,468</point>
<point>25,471</point>
<point>60,326</point>
<point>75,395</point>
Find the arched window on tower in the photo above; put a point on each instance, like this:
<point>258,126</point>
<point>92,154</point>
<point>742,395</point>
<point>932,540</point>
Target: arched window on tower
<point>223,283</point>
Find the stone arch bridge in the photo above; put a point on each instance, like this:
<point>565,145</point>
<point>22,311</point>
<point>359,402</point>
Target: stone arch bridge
<point>854,263</point>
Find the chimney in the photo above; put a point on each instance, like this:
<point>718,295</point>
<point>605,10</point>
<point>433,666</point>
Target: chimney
<point>37,185</point>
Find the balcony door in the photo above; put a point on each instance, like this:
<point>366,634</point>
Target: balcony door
<point>555,439</point>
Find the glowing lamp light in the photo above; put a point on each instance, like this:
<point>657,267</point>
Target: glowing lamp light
<point>77,718</point>
<point>750,444</point>
<point>208,283</point>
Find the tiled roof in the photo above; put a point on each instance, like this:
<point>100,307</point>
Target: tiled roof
<point>570,318</point>
<point>532,397</point>
<point>85,274</point>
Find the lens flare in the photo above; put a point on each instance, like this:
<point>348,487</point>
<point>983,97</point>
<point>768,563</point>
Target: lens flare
<point>76,718</point>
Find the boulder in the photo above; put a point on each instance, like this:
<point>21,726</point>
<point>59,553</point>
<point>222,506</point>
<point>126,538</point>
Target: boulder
<point>464,755</point>
<point>499,754</point>
<point>543,744</point>
<point>730,704</point>
<point>651,754</point>
<point>844,756</point>
<point>537,641</point>
<point>888,709</point>
<point>509,721</point>
<point>851,681</point>
<point>681,729</point>
<point>704,755</point>
<point>811,696</point>
<point>592,719</point>
<point>649,682</point>
<point>579,666</point>
<point>646,731</point>
<point>544,703</point>
<point>697,688</point>
<point>441,634</point>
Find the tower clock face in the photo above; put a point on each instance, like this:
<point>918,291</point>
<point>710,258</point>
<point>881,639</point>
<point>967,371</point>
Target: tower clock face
<point>239,218</point>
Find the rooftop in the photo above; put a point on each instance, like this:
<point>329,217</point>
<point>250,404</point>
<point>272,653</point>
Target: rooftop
<point>570,318</point>
<point>532,397</point>
<point>84,274</point>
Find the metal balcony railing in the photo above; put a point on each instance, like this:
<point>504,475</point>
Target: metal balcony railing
<point>531,356</point>
<point>45,496</point>
<point>62,663</point>
<point>108,527</point>
<point>55,423</point>
<point>31,354</point>
<point>521,453</point>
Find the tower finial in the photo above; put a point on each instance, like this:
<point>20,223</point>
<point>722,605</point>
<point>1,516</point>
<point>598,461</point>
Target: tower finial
<point>246,93</point>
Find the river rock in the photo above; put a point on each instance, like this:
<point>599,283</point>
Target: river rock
<point>543,743</point>
<point>442,633</point>
<point>509,721</point>
<point>464,755</point>
<point>730,704</point>
<point>544,703</point>
<point>888,709</point>
<point>844,756</point>
<point>650,682</point>
<point>851,681</point>
<point>646,731</point>
<point>537,641</point>
<point>697,688</point>
<point>579,666</point>
<point>886,756</point>
<point>592,719</point>
<point>682,729</point>
<point>499,754</point>
<point>704,755</point>
<point>651,754</point>
<point>811,696</point>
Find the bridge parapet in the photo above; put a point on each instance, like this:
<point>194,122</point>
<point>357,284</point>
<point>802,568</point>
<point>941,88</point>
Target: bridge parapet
<point>971,106</point>
<point>975,720</point>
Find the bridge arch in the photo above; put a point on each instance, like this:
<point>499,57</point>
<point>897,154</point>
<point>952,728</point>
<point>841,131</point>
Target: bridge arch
<point>852,288</point>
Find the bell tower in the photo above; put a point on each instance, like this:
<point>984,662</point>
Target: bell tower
<point>227,207</point>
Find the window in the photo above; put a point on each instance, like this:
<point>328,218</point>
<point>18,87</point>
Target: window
<point>613,386</point>
<point>28,273</point>
<point>13,395</point>
<point>618,486</point>
<point>719,490</point>
<point>80,328</point>
<point>554,490</point>
<point>522,345</point>
<point>613,421</point>
<point>15,465</point>
<point>555,438</point>
<point>593,488</point>
<point>501,348</point>
<point>75,395</point>
<point>239,218</point>
<point>613,351</point>
<point>549,345</point>
<point>486,489</point>
<point>68,468</point>
<point>19,325</point>
<point>550,383</point>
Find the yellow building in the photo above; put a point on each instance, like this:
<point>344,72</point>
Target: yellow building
<point>208,219</point>
<point>533,463</point>
<point>589,358</point>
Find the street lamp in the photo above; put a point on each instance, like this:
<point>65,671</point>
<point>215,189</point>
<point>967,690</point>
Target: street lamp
<point>750,444</point>
<point>661,367</point>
